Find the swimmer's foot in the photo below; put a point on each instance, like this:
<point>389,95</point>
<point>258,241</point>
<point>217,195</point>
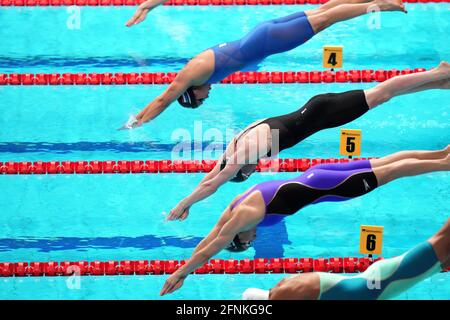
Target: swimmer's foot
<point>444,68</point>
<point>447,161</point>
<point>391,5</point>
<point>447,150</point>
<point>442,154</point>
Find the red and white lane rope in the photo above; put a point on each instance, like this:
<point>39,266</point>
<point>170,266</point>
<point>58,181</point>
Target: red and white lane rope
<point>31,3</point>
<point>152,166</point>
<point>159,267</point>
<point>159,78</point>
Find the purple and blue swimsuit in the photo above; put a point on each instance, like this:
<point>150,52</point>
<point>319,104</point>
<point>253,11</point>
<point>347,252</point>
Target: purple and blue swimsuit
<point>324,182</point>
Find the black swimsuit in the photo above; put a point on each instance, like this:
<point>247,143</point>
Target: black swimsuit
<point>322,111</point>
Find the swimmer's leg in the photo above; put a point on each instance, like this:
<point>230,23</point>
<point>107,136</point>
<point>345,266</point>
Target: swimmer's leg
<point>284,34</point>
<point>436,78</point>
<point>386,279</point>
<point>374,163</point>
<point>344,166</point>
<point>331,4</point>
<point>407,154</point>
<point>289,17</point>
<point>409,167</point>
<point>441,244</point>
<point>344,12</point>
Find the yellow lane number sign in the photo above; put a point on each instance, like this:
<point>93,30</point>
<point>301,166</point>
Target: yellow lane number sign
<point>371,240</point>
<point>333,56</point>
<point>350,142</point>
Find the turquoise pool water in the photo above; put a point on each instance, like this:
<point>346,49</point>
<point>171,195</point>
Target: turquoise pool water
<point>66,217</point>
<point>39,39</point>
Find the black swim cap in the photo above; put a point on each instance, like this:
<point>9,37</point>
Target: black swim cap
<point>237,246</point>
<point>239,177</point>
<point>188,100</point>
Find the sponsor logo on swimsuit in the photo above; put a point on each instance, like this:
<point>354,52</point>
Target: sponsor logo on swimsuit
<point>366,185</point>
<point>222,45</point>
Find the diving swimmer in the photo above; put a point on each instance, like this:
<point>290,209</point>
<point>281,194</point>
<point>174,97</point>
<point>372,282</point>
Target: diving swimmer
<point>385,279</point>
<point>269,136</point>
<point>193,83</point>
<point>236,228</point>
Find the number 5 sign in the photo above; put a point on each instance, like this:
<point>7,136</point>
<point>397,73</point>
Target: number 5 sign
<point>371,240</point>
<point>350,142</point>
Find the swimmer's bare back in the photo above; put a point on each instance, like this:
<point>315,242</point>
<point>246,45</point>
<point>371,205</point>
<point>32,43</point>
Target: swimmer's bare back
<point>299,287</point>
<point>249,130</point>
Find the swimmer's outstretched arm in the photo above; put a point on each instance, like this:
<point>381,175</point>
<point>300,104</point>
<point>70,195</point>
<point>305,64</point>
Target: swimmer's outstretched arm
<point>175,281</point>
<point>142,11</point>
<point>181,210</point>
<point>217,177</point>
<point>239,155</point>
<point>195,73</point>
<point>164,100</point>
<point>224,218</point>
<point>226,234</point>
<point>207,187</point>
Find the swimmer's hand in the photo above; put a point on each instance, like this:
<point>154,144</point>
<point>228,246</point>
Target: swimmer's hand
<point>131,123</point>
<point>173,283</point>
<point>180,212</point>
<point>140,13</point>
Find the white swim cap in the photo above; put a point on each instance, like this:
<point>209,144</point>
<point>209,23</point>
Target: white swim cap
<point>255,294</point>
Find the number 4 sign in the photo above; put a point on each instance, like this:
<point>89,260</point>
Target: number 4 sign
<point>332,56</point>
<point>371,240</point>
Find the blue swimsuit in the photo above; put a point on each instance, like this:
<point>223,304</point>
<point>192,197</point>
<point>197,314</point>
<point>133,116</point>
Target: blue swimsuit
<point>267,38</point>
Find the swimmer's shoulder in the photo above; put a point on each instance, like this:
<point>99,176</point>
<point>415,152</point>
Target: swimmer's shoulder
<point>305,286</point>
<point>201,67</point>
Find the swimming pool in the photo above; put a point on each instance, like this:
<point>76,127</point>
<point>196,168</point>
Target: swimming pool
<point>102,217</point>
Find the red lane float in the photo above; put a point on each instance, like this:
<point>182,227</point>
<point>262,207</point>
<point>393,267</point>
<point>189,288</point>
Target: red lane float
<point>160,267</point>
<point>153,166</point>
<point>42,3</point>
<point>160,78</point>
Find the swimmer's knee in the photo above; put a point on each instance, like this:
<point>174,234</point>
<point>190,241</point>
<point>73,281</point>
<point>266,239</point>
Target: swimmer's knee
<point>313,12</point>
<point>441,246</point>
<point>384,97</point>
<point>377,96</point>
<point>446,238</point>
<point>319,21</point>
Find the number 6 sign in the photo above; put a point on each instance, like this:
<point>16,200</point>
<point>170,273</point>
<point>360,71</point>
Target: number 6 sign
<point>371,240</point>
